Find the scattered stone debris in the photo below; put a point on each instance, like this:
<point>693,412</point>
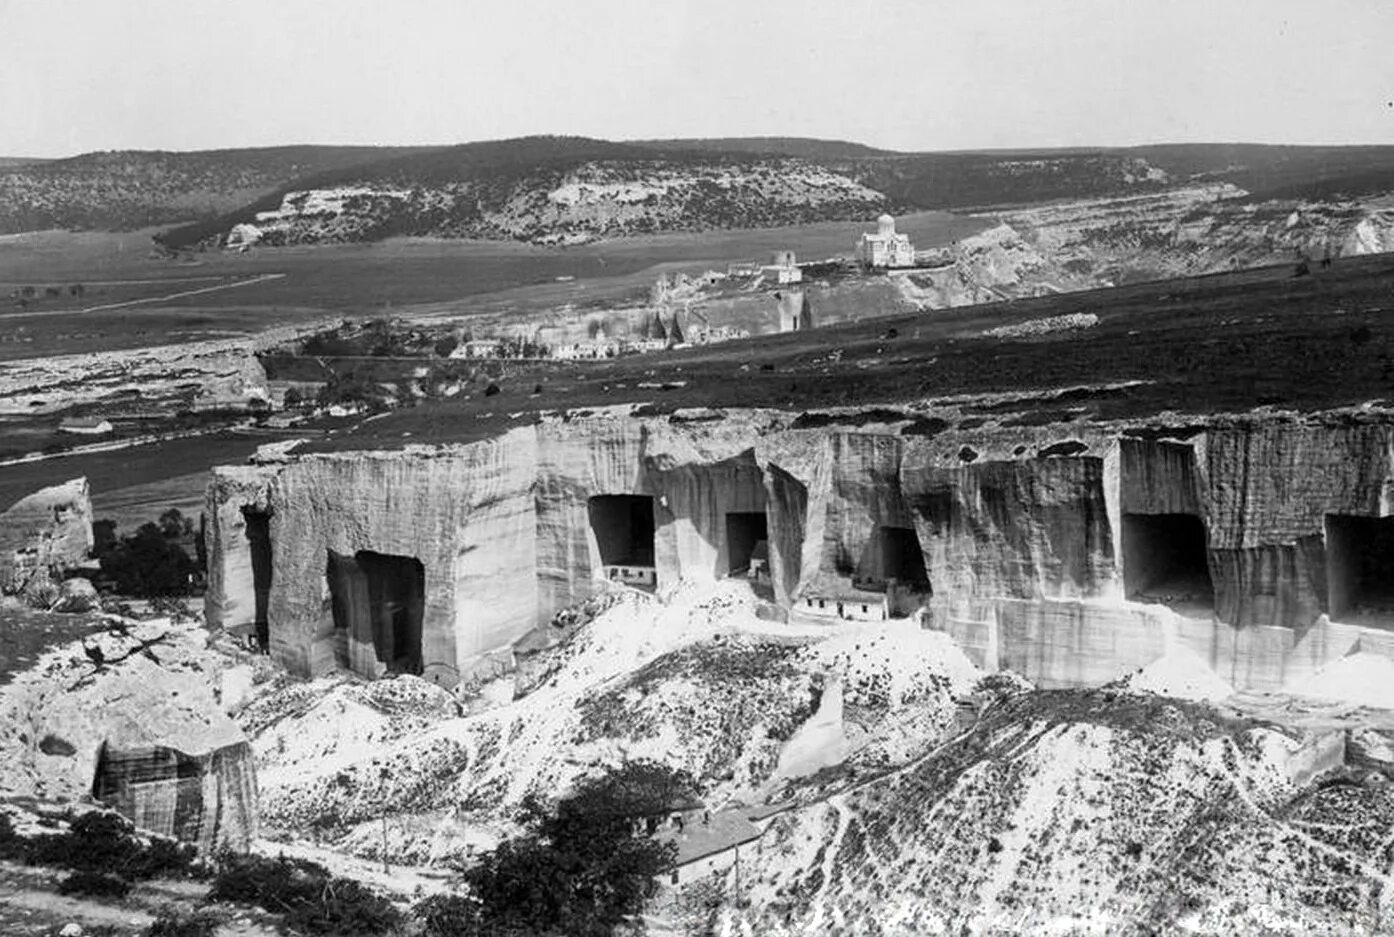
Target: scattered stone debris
<point>1032,327</point>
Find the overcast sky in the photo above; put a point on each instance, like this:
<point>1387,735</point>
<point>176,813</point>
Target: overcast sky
<point>80,75</point>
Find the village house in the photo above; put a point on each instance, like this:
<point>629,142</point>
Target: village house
<point>479,348</point>
<point>783,270</point>
<point>590,350</point>
<point>845,606</point>
<point>85,425</point>
<point>711,846</point>
<point>885,249</point>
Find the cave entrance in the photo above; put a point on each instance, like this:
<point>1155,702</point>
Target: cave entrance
<point>1360,567</point>
<point>258,524</point>
<point>379,599</point>
<point>892,562</point>
<point>1165,560</point>
<point>747,544</point>
<point>624,531</point>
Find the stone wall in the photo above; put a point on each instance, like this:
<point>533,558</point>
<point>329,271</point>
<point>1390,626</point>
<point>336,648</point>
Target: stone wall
<point>1026,534</point>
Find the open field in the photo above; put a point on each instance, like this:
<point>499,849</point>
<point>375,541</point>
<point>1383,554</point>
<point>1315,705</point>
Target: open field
<point>455,277</point>
<point>1219,343</point>
<point>176,465</point>
<point>1226,342</point>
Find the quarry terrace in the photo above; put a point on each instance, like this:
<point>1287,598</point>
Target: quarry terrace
<point>1067,533</point>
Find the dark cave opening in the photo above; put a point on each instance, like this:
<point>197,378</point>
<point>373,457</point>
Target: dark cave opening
<point>259,544</point>
<point>1360,566</point>
<point>623,526</point>
<point>747,543</point>
<point>1165,559</point>
<point>893,562</point>
<point>380,598</point>
<point>892,554</point>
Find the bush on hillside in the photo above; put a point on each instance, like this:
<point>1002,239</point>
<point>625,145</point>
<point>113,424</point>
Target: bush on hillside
<point>103,841</point>
<point>584,867</point>
<point>151,562</point>
<point>312,900</point>
<point>95,885</point>
<point>172,922</point>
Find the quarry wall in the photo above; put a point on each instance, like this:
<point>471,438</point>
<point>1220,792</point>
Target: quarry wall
<point>1069,555</point>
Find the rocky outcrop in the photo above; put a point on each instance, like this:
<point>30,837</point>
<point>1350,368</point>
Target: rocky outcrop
<point>221,374</point>
<point>44,534</point>
<point>1077,812</point>
<point>142,733</point>
<point>1197,229</point>
<point>1069,557</point>
<point>567,205</point>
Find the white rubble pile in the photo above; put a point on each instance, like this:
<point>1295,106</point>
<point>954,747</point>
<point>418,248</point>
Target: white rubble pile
<point>1065,323</point>
<point>695,681</point>
<point>1180,673</point>
<point>1361,679</point>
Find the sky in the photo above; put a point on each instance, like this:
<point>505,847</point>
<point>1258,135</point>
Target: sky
<point>83,75</point>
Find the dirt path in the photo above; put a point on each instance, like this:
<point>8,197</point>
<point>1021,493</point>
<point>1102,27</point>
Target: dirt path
<point>51,313</point>
<point>30,906</point>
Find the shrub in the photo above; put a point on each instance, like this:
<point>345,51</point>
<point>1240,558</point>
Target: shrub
<point>584,867</point>
<point>94,885</point>
<point>449,916</point>
<point>152,561</point>
<point>11,844</point>
<point>312,900</point>
<point>171,922</point>
<point>98,841</point>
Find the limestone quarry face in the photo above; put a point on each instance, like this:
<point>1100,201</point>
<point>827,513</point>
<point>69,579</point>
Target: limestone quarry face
<point>1195,229</point>
<point>1069,556</point>
<point>44,534</point>
<point>141,732</point>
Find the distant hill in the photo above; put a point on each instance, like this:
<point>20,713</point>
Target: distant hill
<point>798,147</point>
<point>12,162</point>
<point>547,190</point>
<point>1280,171</point>
<point>553,189</point>
<point>123,190</point>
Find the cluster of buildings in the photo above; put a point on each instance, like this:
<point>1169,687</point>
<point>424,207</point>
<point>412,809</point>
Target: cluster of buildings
<point>682,293</point>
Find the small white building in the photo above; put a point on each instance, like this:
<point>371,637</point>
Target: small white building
<point>783,270</point>
<point>709,843</point>
<point>642,577</point>
<point>85,425</point>
<point>885,249</point>
<point>589,350</point>
<point>479,348</point>
<point>845,607</point>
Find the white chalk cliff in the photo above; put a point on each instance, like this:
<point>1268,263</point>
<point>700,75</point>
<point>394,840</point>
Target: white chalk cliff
<point>1070,556</point>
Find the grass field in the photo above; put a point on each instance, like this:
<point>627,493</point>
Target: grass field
<point>453,277</point>
<point>169,473</point>
<point>1220,343</point>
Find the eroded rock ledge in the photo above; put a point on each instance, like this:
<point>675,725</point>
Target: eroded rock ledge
<point>1069,554</point>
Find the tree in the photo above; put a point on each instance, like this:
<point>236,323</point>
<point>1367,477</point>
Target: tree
<point>584,866</point>
<point>151,562</point>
